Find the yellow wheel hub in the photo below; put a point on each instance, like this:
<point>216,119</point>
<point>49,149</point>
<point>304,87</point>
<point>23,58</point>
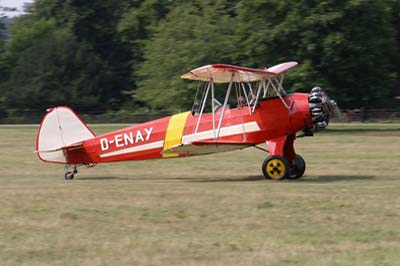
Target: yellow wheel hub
<point>276,169</point>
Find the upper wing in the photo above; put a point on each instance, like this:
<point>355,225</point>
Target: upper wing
<point>281,68</point>
<point>222,73</point>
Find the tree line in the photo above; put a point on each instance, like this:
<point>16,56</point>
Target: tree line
<point>128,55</point>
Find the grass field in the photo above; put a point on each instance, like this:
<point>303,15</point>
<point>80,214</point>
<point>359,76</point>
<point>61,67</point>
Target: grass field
<point>210,210</point>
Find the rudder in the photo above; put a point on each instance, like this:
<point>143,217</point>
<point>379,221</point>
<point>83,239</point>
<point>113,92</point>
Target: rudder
<point>60,128</point>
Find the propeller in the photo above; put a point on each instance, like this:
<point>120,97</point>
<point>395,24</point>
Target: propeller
<point>321,106</point>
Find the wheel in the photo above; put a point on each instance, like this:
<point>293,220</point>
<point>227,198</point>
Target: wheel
<point>69,175</point>
<point>298,168</point>
<point>275,167</point>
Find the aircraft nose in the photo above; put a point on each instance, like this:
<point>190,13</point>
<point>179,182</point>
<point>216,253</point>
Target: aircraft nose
<point>320,108</point>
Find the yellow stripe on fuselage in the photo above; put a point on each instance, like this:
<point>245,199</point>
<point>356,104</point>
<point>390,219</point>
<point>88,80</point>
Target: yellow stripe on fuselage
<point>174,133</point>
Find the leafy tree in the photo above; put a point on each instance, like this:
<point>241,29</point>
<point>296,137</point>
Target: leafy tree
<point>2,33</point>
<point>87,53</point>
<point>362,51</point>
<point>2,37</point>
<point>346,46</point>
<point>2,40</point>
<point>394,8</point>
<point>192,34</point>
<point>354,59</point>
<point>137,25</point>
<point>91,28</point>
<point>25,32</point>
<point>57,70</point>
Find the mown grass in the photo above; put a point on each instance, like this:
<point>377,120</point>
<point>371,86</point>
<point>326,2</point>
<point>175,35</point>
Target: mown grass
<point>345,127</point>
<point>210,210</point>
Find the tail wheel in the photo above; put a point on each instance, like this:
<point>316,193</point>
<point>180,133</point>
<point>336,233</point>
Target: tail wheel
<point>275,167</point>
<point>69,175</point>
<point>298,168</point>
<point>70,171</point>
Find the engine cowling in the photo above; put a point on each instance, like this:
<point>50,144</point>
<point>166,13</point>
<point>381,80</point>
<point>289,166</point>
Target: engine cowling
<point>320,108</point>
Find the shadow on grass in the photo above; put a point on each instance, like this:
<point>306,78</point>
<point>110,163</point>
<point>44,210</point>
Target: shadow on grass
<point>230,179</point>
<point>309,179</point>
<point>333,178</point>
<point>187,179</point>
<point>102,178</point>
<point>306,179</point>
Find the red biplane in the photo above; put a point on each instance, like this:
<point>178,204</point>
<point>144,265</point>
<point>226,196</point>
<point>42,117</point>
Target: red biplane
<point>253,109</point>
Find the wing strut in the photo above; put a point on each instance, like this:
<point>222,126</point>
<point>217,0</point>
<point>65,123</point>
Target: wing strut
<point>278,91</point>
<point>225,104</point>
<point>213,107</point>
<point>261,85</point>
<point>202,108</point>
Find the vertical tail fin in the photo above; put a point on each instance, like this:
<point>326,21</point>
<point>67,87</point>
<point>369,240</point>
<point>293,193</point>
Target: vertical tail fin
<point>60,128</point>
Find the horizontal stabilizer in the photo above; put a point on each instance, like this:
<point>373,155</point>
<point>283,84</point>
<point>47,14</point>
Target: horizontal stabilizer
<point>68,148</point>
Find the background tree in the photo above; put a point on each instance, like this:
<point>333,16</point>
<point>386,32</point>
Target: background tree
<point>2,41</point>
<point>57,70</point>
<point>87,54</point>
<point>3,112</point>
<point>192,34</point>
<point>137,25</point>
<point>92,26</point>
<point>2,37</point>
<point>345,46</point>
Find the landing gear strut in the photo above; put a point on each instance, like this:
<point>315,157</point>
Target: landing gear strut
<point>283,162</point>
<point>71,170</point>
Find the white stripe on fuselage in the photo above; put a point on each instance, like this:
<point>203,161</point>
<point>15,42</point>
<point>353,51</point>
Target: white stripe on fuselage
<point>187,139</point>
<point>144,147</point>
<point>224,132</point>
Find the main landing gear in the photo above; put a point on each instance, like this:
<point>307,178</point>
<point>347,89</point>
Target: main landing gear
<point>283,162</point>
<point>278,167</point>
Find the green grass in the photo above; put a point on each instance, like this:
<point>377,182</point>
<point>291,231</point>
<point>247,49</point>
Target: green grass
<point>363,127</point>
<point>209,210</point>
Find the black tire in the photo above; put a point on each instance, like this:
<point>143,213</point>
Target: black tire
<point>69,175</point>
<point>275,167</point>
<point>298,168</point>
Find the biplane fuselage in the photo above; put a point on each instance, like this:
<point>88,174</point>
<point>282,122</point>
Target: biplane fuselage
<point>157,139</point>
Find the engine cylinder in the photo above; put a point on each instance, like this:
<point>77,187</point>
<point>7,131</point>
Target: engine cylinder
<point>320,107</point>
